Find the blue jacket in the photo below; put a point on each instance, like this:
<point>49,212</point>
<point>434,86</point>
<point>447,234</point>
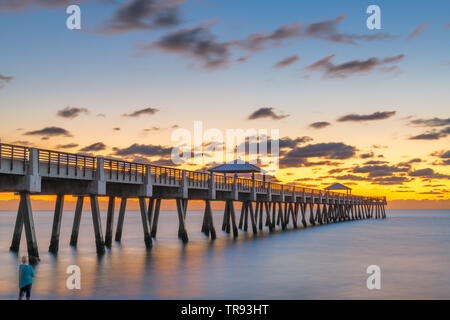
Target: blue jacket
<point>26,275</point>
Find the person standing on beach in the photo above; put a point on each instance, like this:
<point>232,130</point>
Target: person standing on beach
<point>26,275</point>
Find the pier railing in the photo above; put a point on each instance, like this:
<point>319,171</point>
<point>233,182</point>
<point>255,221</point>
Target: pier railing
<point>66,165</point>
<point>13,159</point>
<point>55,164</point>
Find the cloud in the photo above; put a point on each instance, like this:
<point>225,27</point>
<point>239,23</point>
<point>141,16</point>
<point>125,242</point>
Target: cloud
<point>266,113</point>
<point>432,122</point>
<point>287,142</point>
<point>380,170</point>
<point>49,132</point>
<point>367,117</point>
<point>366,155</point>
<point>142,15</point>
<point>138,113</point>
<point>390,180</point>
<point>428,173</point>
<point>144,150</point>
<point>197,43</point>
<point>298,156</point>
<point>352,67</point>
<point>418,31</point>
<point>319,125</point>
<point>258,41</point>
<point>324,30</point>
<point>5,79</point>
<point>441,154</point>
<point>376,162</point>
<point>327,30</point>
<point>351,177</point>
<point>116,129</point>
<point>201,44</point>
<point>286,61</point>
<point>99,146</point>
<point>67,146</point>
<point>152,129</point>
<point>432,135</point>
<point>71,113</point>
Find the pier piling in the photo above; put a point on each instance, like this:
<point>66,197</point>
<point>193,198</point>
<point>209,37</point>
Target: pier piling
<point>54,242</point>
<point>76,221</point>
<point>99,242</point>
<point>110,221</point>
<point>145,225</point>
<point>119,230</point>
<point>17,235</point>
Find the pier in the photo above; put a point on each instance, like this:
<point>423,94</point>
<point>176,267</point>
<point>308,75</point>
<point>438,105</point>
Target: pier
<point>264,205</point>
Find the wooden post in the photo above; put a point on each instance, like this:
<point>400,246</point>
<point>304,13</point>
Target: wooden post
<point>56,228</point>
<point>185,206</point>
<point>286,213</point>
<point>205,227</point>
<point>76,221</point>
<point>145,225</point>
<point>252,218</point>
<point>241,218</point>
<point>261,209</point>
<point>281,216</point>
<point>182,233</point>
<point>325,213</point>
<point>225,216</point>
<point>99,242</point>
<point>303,209</point>
<point>319,214</point>
<point>110,221</point>
<point>246,217</point>
<point>233,219</point>
<point>267,205</point>
<point>311,212</point>
<point>293,215</point>
<point>269,222</point>
<point>123,205</point>
<point>151,208</point>
<point>156,218</point>
<point>28,222</point>
<point>209,220</point>
<point>274,212</point>
<point>256,212</point>
<point>15,244</point>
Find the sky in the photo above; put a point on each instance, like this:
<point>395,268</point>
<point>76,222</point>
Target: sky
<point>367,108</point>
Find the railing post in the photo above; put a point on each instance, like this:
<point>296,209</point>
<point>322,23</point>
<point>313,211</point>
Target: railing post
<point>33,179</point>
<point>146,190</point>
<point>253,196</point>
<point>235,191</point>
<point>282,193</point>
<point>98,186</point>
<point>269,191</point>
<point>294,196</point>
<point>184,185</point>
<point>212,187</point>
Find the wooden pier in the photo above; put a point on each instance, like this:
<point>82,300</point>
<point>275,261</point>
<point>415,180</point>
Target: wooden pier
<point>29,171</point>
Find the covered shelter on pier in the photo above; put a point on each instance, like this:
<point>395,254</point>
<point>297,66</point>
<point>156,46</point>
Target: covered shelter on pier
<point>340,187</point>
<point>236,167</point>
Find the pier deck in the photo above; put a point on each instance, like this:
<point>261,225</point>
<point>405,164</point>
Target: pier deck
<point>29,171</point>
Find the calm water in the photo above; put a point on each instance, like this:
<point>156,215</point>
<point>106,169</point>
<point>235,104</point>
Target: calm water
<point>411,247</point>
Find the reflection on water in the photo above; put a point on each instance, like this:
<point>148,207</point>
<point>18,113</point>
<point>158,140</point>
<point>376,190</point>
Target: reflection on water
<point>411,247</point>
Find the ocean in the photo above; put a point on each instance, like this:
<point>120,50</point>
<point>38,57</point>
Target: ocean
<point>411,248</point>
